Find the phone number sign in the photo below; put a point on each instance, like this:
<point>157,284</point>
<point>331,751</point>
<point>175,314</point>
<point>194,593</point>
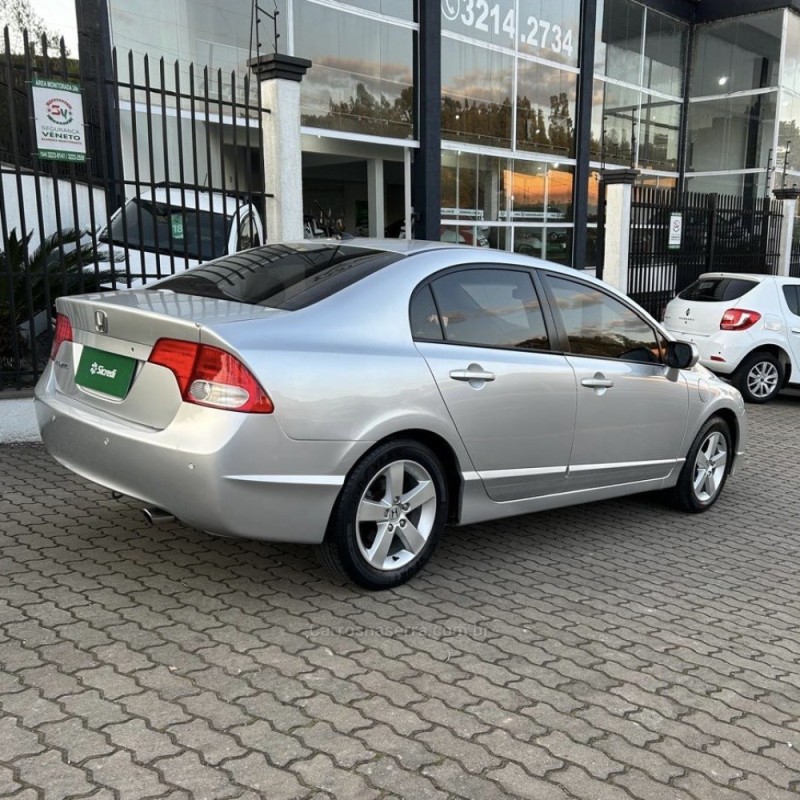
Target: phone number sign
<point>524,26</point>
<point>58,111</point>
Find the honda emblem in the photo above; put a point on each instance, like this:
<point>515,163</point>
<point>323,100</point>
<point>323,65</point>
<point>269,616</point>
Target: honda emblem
<point>100,322</point>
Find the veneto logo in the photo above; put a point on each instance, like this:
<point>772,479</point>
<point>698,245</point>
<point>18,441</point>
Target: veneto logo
<point>59,111</point>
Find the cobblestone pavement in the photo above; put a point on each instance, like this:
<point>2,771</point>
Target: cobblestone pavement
<point>617,650</point>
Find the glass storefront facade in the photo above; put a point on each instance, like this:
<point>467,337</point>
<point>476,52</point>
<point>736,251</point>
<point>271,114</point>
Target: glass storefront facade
<point>788,163</point>
<point>210,35</point>
<point>509,96</point>
<point>640,62</point>
<point>363,73</point>
<point>734,100</point>
<point>724,117</point>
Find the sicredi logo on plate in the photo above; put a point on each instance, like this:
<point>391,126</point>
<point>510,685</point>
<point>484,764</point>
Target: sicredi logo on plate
<point>103,372</point>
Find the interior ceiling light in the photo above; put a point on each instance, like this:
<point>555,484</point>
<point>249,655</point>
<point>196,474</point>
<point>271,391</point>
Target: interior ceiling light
<point>723,80</point>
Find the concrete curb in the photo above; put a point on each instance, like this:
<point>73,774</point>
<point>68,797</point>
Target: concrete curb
<point>18,421</point>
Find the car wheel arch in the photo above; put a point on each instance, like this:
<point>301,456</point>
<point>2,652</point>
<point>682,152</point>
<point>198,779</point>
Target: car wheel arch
<point>776,351</point>
<point>441,448</point>
<point>728,416</point>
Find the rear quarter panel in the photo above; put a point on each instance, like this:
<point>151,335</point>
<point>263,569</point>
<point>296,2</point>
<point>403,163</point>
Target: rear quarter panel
<point>346,368</point>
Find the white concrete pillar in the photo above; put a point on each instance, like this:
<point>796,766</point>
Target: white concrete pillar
<point>407,192</point>
<point>788,198</point>
<point>375,198</point>
<point>617,185</point>
<point>280,77</point>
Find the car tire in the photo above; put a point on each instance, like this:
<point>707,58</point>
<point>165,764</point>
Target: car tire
<point>706,467</point>
<point>759,378</point>
<point>388,517</point>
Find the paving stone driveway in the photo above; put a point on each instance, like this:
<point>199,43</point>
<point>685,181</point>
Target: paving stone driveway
<point>618,650</point>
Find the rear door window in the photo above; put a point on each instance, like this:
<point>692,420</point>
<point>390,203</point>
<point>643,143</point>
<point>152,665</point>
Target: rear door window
<point>490,308</point>
<point>425,322</point>
<point>717,290</point>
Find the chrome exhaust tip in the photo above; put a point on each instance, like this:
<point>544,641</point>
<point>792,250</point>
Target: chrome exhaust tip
<point>157,516</point>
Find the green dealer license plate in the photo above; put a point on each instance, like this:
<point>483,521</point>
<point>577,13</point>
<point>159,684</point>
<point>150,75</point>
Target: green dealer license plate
<point>105,372</point>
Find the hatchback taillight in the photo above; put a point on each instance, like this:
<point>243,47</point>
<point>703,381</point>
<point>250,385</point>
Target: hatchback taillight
<point>738,319</point>
<point>63,333</point>
<point>209,376</point>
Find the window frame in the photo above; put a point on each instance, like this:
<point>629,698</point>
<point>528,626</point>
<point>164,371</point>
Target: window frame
<point>660,337</point>
<point>553,338</point>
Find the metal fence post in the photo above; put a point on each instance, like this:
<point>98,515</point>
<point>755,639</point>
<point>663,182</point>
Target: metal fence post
<point>280,77</point>
<point>616,186</point>
<point>711,231</point>
<point>764,233</point>
<point>788,198</point>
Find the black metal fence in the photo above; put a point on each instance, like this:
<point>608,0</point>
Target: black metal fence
<point>718,233</point>
<point>172,176</point>
<point>794,258</point>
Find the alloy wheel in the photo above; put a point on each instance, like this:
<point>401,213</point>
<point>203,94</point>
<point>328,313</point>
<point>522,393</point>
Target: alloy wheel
<point>709,466</point>
<point>762,379</point>
<point>396,515</point>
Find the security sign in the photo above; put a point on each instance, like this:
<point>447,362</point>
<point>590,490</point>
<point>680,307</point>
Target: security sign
<point>675,230</point>
<point>58,110</point>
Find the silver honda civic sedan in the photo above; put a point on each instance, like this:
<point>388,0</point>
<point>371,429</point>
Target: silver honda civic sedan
<point>360,396</point>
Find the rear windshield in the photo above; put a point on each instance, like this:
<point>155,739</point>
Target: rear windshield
<point>279,275</point>
<point>162,228</point>
<point>717,290</point>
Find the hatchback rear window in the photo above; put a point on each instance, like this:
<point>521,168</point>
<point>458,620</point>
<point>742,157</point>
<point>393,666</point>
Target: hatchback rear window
<point>280,275</point>
<point>717,290</point>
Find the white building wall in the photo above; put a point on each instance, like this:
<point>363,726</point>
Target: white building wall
<point>72,215</point>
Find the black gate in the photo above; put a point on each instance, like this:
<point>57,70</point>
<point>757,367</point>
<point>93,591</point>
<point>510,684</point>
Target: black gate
<point>718,233</point>
<point>794,259</point>
<point>172,176</point>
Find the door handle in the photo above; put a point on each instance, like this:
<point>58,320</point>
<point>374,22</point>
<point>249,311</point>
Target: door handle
<point>471,375</point>
<point>597,383</point>
<point>795,330</point>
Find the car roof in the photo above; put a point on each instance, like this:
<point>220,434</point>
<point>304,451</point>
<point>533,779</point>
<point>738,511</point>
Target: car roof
<point>472,255</point>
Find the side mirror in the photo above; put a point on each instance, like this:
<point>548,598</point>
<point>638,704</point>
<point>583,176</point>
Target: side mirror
<point>681,355</point>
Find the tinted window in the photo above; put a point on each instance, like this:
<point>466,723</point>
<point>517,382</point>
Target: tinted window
<point>716,290</point>
<point>148,225</point>
<point>281,276</point>
<point>491,307</point>
<point>599,325</point>
<point>248,235</point>
<point>425,322</point>
<point>792,296</point>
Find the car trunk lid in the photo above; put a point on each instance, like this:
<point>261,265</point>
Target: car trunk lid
<point>106,367</point>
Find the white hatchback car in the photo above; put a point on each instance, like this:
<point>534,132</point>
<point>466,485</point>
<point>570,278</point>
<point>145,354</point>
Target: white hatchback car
<point>172,228</point>
<point>746,327</point>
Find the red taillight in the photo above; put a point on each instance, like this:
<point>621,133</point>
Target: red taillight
<point>738,319</point>
<point>63,333</point>
<point>212,377</point>
<point>179,357</point>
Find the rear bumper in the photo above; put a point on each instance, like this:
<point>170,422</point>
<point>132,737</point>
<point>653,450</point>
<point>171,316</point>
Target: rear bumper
<point>223,472</point>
